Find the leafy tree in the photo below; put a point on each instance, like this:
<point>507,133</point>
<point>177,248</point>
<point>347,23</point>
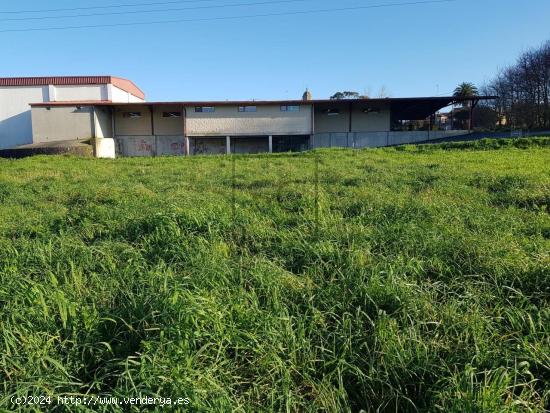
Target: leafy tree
<point>346,95</point>
<point>523,90</point>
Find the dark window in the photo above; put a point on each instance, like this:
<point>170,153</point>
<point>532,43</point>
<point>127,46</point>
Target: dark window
<point>333,112</point>
<point>290,108</point>
<point>132,115</point>
<point>205,109</point>
<point>171,114</point>
<point>247,109</point>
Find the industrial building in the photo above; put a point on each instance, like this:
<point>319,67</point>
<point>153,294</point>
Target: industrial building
<point>16,93</point>
<point>138,128</point>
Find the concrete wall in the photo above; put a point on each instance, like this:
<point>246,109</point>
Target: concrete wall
<point>142,126</point>
<point>61,123</point>
<point>135,145</point>
<point>90,92</point>
<point>170,145</point>
<point>168,126</point>
<point>332,123</point>
<point>78,93</point>
<point>15,114</point>
<point>268,120</point>
<point>371,139</point>
<point>148,145</point>
<point>374,121</point>
<point>377,139</point>
<point>125,126</point>
<point>207,146</point>
<point>226,120</point>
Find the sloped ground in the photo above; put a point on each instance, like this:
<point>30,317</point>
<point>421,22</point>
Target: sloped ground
<point>405,279</point>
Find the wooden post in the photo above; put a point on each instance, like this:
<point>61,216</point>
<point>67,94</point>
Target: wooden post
<point>270,143</point>
<point>228,145</point>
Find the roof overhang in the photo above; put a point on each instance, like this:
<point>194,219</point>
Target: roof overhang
<point>402,108</point>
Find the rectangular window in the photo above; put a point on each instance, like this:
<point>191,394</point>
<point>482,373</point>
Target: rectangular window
<point>205,109</point>
<point>333,112</point>
<point>290,108</point>
<point>171,114</point>
<point>247,109</point>
<point>132,115</point>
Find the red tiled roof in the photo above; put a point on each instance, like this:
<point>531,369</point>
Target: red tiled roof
<point>120,83</point>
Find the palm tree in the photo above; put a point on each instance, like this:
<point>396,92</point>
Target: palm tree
<point>466,90</point>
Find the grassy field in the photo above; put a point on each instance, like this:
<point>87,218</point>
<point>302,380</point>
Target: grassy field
<point>406,279</point>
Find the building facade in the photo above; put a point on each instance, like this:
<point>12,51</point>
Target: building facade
<point>17,93</point>
<point>195,128</point>
<point>112,114</point>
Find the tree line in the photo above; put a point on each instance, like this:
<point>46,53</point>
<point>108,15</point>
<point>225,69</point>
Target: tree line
<point>523,90</point>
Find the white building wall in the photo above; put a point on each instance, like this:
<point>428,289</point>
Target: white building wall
<point>267,120</point>
<point>15,111</point>
<point>80,92</point>
<point>121,96</point>
<point>15,114</point>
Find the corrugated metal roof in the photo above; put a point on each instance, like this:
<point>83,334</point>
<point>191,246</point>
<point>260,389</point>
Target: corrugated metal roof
<point>121,83</point>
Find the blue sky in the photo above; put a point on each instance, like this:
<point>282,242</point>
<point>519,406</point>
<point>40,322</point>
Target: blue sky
<point>410,50</point>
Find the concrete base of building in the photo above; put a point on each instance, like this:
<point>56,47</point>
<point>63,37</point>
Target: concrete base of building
<point>292,143</point>
<point>162,145</point>
<point>207,145</point>
<point>73,147</point>
<point>249,144</point>
<point>149,145</point>
<point>104,148</point>
<point>378,139</point>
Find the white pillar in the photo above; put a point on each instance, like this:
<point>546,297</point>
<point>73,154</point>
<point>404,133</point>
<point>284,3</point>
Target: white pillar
<point>104,148</point>
<point>270,143</point>
<point>186,146</point>
<point>51,93</point>
<point>228,145</point>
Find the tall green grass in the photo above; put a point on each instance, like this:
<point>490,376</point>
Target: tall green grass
<point>423,285</point>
